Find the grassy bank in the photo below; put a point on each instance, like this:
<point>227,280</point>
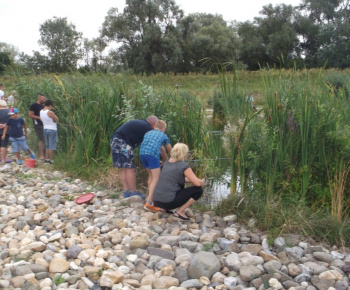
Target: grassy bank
<point>290,154</point>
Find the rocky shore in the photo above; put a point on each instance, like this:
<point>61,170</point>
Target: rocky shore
<point>47,241</point>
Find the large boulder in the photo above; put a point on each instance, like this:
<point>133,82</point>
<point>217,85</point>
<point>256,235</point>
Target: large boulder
<point>203,264</point>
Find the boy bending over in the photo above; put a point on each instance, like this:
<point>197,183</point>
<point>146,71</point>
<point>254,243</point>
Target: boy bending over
<point>150,149</point>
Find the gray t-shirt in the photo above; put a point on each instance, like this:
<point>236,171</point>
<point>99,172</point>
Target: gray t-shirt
<point>171,180</point>
<point>4,116</point>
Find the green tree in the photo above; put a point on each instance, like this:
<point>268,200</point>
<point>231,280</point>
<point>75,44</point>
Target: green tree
<point>270,38</point>
<point>62,44</point>
<point>253,51</point>
<point>7,56</point>
<point>147,34</point>
<point>92,54</point>
<point>327,40</point>
<point>4,61</point>
<point>10,49</point>
<point>207,37</point>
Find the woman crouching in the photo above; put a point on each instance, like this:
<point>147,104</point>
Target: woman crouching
<point>170,191</point>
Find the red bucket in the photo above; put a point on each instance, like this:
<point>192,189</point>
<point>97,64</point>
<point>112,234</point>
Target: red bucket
<point>30,162</point>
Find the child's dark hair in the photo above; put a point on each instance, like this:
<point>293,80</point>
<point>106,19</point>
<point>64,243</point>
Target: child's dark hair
<point>48,103</point>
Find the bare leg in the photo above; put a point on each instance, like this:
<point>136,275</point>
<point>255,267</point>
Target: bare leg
<point>149,180</point>
<point>181,209</point>
<point>131,179</point>
<point>18,156</point>
<point>123,179</point>
<point>41,150</point>
<point>154,180</point>
<point>49,154</point>
<point>3,153</point>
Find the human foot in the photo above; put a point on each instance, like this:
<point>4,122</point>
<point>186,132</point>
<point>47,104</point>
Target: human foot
<point>181,218</point>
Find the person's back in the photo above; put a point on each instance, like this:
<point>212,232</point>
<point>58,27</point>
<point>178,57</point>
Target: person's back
<point>4,111</point>
<point>4,116</point>
<point>48,122</point>
<point>34,113</point>
<point>152,142</point>
<point>133,131</point>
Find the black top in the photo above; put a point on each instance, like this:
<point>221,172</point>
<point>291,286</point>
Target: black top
<point>133,131</point>
<point>36,108</point>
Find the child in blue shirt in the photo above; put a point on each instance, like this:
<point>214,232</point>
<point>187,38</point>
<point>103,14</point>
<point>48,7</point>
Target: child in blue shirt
<point>15,126</point>
<point>150,150</point>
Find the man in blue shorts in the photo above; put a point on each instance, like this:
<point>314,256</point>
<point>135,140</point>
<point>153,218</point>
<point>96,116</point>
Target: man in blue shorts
<point>123,142</point>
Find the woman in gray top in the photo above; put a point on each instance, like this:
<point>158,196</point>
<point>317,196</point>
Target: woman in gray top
<point>170,191</point>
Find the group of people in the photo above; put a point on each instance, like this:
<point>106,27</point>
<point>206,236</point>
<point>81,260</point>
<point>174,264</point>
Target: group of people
<point>45,127</point>
<point>166,186</point>
<point>14,129</point>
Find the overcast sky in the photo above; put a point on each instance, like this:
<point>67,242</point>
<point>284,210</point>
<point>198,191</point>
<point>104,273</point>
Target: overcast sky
<point>20,19</point>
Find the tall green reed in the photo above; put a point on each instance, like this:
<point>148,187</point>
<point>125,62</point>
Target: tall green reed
<point>304,119</point>
<point>236,111</point>
<point>91,107</point>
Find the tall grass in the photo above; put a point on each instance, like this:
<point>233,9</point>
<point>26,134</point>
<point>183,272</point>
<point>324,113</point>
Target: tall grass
<point>91,107</point>
<point>295,151</point>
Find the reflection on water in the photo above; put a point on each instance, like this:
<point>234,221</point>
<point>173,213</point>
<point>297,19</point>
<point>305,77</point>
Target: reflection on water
<point>217,189</point>
<point>221,188</point>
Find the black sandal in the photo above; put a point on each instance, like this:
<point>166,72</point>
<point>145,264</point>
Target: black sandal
<point>182,218</point>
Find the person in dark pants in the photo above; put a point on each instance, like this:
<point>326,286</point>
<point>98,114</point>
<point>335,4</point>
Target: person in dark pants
<point>123,142</point>
<point>170,191</point>
<point>34,113</point>
<point>4,111</point>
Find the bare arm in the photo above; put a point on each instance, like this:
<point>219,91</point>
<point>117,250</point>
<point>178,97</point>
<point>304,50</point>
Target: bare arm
<point>163,153</point>
<point>25,130</point>
<point>4,132</point>
<point>189,174</point>
<point>168,148</point>
<point>31,115</point>
<point>53,116</point>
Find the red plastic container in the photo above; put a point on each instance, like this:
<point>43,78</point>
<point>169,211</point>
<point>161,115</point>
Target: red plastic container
<point>30,162</point>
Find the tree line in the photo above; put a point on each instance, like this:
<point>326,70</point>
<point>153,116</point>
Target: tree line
<point>154,36</point>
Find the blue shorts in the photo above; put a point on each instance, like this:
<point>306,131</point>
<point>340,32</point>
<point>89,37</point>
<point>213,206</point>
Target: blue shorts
<point>149,161</point>
<point>19,142</point>
<point>50,139</point>
<point>122,154</point>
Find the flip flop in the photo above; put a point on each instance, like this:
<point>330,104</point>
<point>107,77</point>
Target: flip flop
<point>8,161</point>
<point>181,218</point>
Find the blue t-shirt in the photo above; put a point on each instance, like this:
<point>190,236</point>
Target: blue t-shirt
<point>16,127</point>
<point>152,142</point>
